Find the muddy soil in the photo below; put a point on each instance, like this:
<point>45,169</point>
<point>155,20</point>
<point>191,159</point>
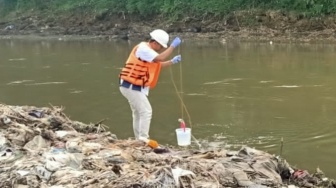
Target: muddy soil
<point>243,25</point>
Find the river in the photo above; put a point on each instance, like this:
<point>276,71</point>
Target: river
<point>235,93</point>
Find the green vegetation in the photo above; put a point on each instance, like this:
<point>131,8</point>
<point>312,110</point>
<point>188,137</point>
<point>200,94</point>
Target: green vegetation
<point>173,8</point>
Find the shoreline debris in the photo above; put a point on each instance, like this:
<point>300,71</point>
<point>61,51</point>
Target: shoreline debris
<point>43,148</point>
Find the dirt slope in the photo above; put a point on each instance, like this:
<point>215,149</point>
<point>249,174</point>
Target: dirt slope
<point>244,25</point>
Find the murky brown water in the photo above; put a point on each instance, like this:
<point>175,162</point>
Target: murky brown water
<point>236,93</point>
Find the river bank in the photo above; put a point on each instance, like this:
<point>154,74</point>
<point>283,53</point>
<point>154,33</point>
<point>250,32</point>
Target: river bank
<point>42,147</point>
<point>252,25</point>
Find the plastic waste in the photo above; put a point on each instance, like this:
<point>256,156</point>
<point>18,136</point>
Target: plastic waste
<point>36,113</point>
<point>37,143</point>
<point>74,146</point>
<point>43,173</point>
<point>53,166</point>
<point>55,161</point>
<point>6,120</point>
<point>22,172</point>
<point>58,150</point>
<point>178,172</point>
<point>3,142</point>
<point>9,27</point>
<point>8,152</point>
<point>62,134</point>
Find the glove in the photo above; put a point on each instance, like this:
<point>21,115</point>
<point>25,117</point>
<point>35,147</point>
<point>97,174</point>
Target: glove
<point>153,144</point>
<point>176,59</point>
<point>176,42</point>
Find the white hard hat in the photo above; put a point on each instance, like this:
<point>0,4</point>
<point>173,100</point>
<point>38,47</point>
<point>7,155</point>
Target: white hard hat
<point>160,36</point>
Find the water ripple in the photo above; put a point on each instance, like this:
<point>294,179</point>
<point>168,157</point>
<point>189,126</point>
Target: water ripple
<point>17,59</point>
<point>19,82</point>
<point>288,86</point>
<point>45,83</point>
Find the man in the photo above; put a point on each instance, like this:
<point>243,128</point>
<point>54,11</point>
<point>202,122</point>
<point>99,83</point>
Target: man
<point>140,74</point>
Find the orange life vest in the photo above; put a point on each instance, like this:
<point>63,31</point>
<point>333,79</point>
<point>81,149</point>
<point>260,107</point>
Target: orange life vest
<point>139,72</point>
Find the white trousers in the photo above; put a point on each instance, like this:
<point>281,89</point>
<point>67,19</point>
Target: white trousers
<point>141,112</point>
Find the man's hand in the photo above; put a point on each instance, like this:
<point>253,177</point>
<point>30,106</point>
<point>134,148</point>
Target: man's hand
<point>176,59</point>
<point>176,42</point>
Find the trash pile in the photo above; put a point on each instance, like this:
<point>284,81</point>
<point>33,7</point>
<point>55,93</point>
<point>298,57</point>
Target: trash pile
<point>42,148</point>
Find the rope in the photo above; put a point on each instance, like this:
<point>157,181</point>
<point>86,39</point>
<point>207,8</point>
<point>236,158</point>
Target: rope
<point>181,87</point>
<point>179,94</point>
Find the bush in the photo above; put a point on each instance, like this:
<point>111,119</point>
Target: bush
<point>173,9</point>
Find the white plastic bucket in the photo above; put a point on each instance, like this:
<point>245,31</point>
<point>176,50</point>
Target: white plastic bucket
<point>183,137</point>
